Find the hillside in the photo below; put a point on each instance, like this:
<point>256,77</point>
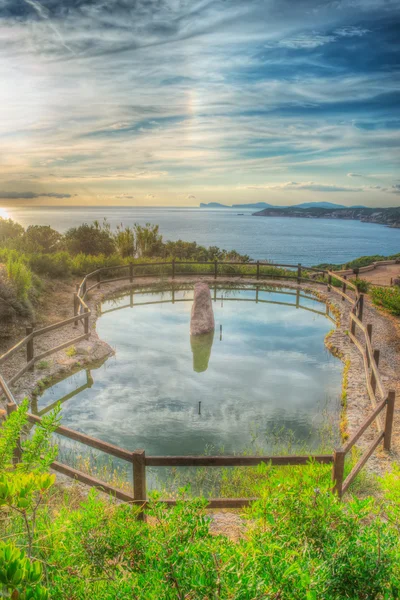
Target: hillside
<point>383,216</point>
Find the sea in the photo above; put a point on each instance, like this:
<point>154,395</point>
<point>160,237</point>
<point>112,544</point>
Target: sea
<point>276,239</point>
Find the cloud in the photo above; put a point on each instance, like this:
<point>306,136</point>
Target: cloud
<point>200,94</point>
<point>394,189</point>
<point>351,31</point>
<point>313,40</point>
<point>32,195</point>
<point>124,196</point>
<point>190,197</point>
<point>305,41</point>
<point>308,185</point>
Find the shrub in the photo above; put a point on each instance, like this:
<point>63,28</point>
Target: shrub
<point>362,285</point>
<point>58,264</point>
<point>20,275</point>
<point>388,298</point>
<point>9,229</point>
<point>300,542</point>
<point>89,239</point>
<point>82,264</point>
<point>41,238</point>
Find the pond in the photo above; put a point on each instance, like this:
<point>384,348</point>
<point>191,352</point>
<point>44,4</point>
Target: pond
<point>264,376</point>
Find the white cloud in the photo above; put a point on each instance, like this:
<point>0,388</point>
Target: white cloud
<point>306,185</point>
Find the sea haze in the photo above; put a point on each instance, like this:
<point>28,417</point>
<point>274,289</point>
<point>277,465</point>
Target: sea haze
<point>278,239</point>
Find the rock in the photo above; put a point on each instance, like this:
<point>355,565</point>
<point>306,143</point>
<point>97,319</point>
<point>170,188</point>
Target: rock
<point>202,319</point>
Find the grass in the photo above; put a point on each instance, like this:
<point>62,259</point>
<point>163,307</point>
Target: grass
<point>387,298</point>
<point>42,364</point>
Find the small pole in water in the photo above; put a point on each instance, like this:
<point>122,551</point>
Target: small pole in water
<point>199,407</point>
<point>220,333</point>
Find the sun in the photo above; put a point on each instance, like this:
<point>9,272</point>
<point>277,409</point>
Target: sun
<point>4,214</point>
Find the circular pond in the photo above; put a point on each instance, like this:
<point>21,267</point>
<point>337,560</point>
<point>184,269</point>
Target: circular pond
<point>265,375</point>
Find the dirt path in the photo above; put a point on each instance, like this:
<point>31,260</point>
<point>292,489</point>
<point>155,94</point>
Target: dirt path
<point>382,275</point>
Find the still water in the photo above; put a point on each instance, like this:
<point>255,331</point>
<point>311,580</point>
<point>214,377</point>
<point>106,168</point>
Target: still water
<point>265,371</point>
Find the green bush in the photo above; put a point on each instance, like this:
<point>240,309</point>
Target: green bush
<point>9,230</point>
<point>388,298</point>
<point>19,274</point>
<point>42,239</point>
<point>297,541</point>
<point>58,264</point>
<point>89,239</point>
<point>82,264</point>
<point>362,285</point>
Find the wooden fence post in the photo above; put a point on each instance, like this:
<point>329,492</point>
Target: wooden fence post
<point>338,471</point>
<point>83,289</point>
<point>76,308</point>
<point>352,323</point>
<point>139,479</point>
<point>369,333</point>
<point>173,268</point>
<point>258,269</point>
<point>344,287</point>
<point>86,310</point>
<point>131,272</point>
<point>387,440</point>
<point>29,346</point>
<point>12,407</point>
<point>215,269</point>
<point>361,307</point>
<point>329,282</point>
<point>299,273</point>
<point>373,379</point>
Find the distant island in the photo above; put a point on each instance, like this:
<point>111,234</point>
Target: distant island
<point>383,216</point>
<point>266,205</point>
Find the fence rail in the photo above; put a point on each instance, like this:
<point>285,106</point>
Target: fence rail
<point>138,458</point>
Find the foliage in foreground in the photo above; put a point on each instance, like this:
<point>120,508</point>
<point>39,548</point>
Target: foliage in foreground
<point>388,298</point>
<point>298,541</point>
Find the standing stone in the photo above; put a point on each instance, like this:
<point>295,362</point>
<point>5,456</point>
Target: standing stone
<point>202,319</point>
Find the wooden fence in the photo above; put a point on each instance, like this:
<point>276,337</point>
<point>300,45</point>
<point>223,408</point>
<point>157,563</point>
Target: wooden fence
<point>380,398</point>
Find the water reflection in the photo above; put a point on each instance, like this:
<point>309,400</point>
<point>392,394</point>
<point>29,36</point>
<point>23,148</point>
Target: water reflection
<point>201,346</point>
<point>270,368</point>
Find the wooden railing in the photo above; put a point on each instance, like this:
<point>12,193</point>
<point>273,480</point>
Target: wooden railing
<point>138,458</point>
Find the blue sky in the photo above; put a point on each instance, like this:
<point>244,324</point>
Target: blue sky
<point>176,102</point>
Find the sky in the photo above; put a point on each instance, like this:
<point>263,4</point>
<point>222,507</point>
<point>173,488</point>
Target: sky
<point>177,102</point>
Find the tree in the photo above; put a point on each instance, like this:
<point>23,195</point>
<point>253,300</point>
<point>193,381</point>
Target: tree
<point>9,229</point>
<point>41,238</point>
<point>89,239</point>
